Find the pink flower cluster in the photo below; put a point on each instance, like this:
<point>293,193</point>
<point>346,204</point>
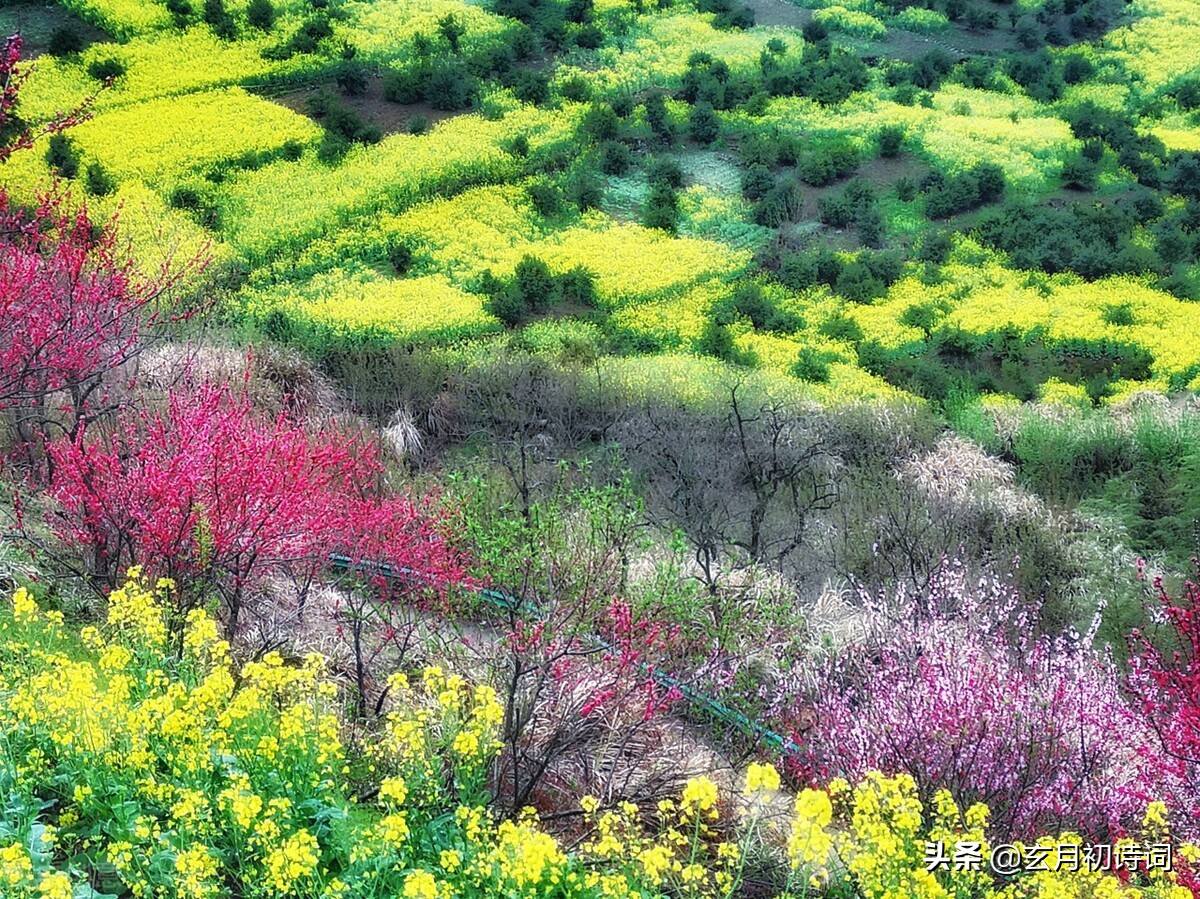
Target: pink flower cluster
<point>953,688</point>
<point>211,490</point>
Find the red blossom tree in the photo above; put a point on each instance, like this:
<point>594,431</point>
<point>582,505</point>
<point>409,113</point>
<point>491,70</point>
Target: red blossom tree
<point>1166,678</point>
<point>72,312</point>
<point>73,307</point>
<point>218,497</point>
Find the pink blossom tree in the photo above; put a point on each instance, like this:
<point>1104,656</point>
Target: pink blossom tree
<point>951,689</point>
<point>74,309</point>
<point>219,497</point>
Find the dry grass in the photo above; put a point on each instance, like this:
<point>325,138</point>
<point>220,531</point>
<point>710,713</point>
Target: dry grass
<point>276,380</point>
<point>961,473</point>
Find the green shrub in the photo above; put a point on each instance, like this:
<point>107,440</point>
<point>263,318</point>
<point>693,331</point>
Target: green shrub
<point>578,285</point>
<point>666,170</point>
<point>62,156</point>
<point>451,31</point>
<point>601,122</point>
<point>530,86</point>
<point>181,11</point>
<point>757,182</point>
<point>585,190</point>
<point>589,36</point>
<point>811,365</point>
<point>400,256</point>
<point>891,137</point>
<point>351,77</point>
<point>534,284</point>
<point>575,88</point>
<point>1079,173</point>
<point>260,14</point>
<point>451,87</point>
<point>615,158</point>
<point>662,207</point>
<point>858,283</point>
<point>780,205</point>
<point>825,163</point>
<point>1119,314</point>
<point>841,327</point>
<point>703,125</point>
<point>507,307</point>
<point>657,116</point>
<point>97,181</point>
<point>106,69</point>
<point>403,85</point>
<point>546,197</point>
<point>64,41</point>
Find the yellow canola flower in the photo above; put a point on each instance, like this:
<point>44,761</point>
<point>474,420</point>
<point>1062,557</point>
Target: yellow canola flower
<point>1155,818</point>
<point>420,885</point>
<point>55,885</point>
<point>810,843</point>
<point>16,868</point>
<point>394,790</point>
<point>761,778</point>
<point>656,863</point>
<point>135,609</point>
<point>195,870</point>
<point>699,794</point>
<point>294,861</point>
<point>25,609</point>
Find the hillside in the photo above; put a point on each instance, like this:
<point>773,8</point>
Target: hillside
<point>599,448</point>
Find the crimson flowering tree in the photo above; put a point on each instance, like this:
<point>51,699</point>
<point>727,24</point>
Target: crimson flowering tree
<point>1165,677</point>
<point>73,307</point>
<point>220,498</point>
<point>72,311</point>
<point>952,690</point>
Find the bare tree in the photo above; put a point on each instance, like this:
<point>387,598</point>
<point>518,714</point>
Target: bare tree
<point>739,477</point>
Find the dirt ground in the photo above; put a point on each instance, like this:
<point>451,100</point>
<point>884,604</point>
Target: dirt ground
<point>371,106</point>
<point>37,21</point>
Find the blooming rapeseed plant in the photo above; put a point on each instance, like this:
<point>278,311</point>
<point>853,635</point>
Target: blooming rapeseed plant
<point>205,784</point>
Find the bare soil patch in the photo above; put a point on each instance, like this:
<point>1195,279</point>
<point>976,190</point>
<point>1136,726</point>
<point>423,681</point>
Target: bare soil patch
<point>371,106</point>
<point>37,22</point>
<point>779,13</point>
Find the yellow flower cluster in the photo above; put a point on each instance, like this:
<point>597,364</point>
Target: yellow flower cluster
<point>685,856</point>
<point>202,782</point>
<point>157,141</point>
<point>656,52</point>
<point>138,614</point>
<point>425,308</point>
<point>876,832</point>
<point>761,779</point>
<point>479,229</point>
<point>1159,44</point>
<point>123,18</point>
<point>284,206</point>
<point>292,862</point>
<point>157,64</point>
<point>850,21</point>
<point>217,769</point>
<point>809,844</point>
<point>632,263</point>
<point>441,725</point>
<point>376,24</point>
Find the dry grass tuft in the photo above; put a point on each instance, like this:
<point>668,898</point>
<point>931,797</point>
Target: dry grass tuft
<point>276,380</point>
<point>959,472</point>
